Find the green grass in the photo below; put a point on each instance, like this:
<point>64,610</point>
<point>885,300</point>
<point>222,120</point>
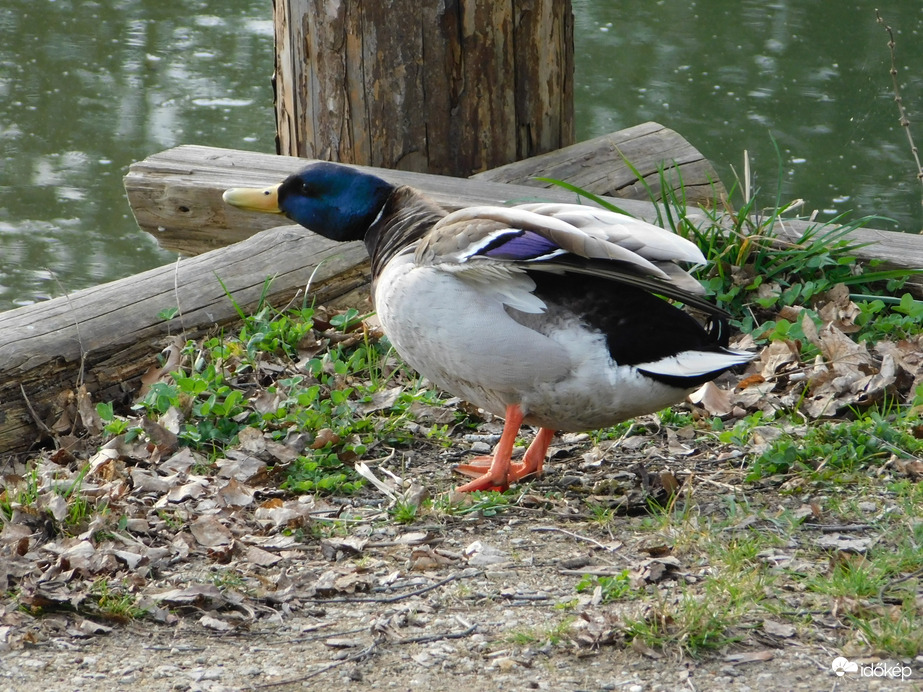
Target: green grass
<point>23,493</point>
<point>834,449</point>
<point>554,634</point>
<point>740,582</point>
<point>114,601</point>
<point>896,630</point>
<point>692,624</point>
<point>487,503</point>
<point>34,490</point>
<point>404,512</point>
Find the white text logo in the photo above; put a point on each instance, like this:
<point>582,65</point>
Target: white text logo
<point>841,666</point>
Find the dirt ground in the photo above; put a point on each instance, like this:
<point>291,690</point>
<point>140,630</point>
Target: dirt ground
<point>483,600</point>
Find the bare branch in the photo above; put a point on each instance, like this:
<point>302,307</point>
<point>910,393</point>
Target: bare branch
<point>904,120</point>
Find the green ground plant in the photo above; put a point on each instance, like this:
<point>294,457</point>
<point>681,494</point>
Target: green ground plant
<point>321,396</point>
<point>115,602</point>
<point>754,274</point>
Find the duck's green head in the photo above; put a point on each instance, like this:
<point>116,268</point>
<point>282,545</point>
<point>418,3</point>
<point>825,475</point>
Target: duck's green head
<point>337,202</point>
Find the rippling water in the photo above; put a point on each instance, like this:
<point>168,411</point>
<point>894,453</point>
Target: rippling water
<point>732,75</point>
<point>86,89</point>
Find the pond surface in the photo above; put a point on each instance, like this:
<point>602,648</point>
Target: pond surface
<point>811,78</point>
<point>86,89</point>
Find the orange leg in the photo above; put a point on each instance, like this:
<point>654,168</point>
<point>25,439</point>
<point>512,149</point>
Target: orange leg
<point>497,472</point>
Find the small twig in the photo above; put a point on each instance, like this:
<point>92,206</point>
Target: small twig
<point>179,307</point>
<point>333,664</point>
<point>605,547</point>
<point>76,326</point>
<point>592,572</point>
<point>904,120</point>
<point>423,639</point>
<point>898,580</point>
<point>818,664</point>
<point>291,302</point>
<point>718,484</point>
<point>837,528</point>
<point>391,599</point>
<point>686,483</point>
<point>555,529</point>
<point>325,635</point>
<point>38,421</point>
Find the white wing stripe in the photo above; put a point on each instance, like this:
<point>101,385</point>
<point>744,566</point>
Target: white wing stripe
<point>694,363</point>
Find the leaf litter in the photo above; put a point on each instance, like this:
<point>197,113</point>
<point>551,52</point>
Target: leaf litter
<point>145,529</point>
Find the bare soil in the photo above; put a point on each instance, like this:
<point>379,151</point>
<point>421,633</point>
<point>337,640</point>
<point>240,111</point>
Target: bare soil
<point>479,601</point>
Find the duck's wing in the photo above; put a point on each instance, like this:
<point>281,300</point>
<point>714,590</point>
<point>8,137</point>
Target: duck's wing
<point>490,243</point>
<point>645,239</point>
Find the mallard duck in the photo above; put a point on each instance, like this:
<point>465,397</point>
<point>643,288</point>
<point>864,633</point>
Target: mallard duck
<point>551,315</point>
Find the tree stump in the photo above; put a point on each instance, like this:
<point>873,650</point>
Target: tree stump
<point>440,86</point>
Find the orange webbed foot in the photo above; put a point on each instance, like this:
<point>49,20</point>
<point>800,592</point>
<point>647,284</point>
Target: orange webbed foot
<point>498,471</point>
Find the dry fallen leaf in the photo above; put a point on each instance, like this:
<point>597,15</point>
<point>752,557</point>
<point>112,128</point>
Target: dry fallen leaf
<point>324,437</point>
<point>481,555</point>
<point>174,351</point>
<point>847,544</point>
<point>215,624</point>
<point>778,629</point>
<point>210,532</point>
<point>717,401</point>
<point>235,494</point>
<point>258,556</point>
<point>89,627</point>
<point>424,558</point>
<point>201,595</point>
<point>337,548</point>
<point>88,415</point>
<point>909,467</point>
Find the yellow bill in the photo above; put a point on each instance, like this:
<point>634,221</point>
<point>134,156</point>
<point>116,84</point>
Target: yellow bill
<point>254,199</point>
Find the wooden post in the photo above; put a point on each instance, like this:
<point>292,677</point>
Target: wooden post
<point>441,86</point>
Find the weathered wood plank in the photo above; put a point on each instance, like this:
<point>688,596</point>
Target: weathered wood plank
<point>109,335</point>
<point>176,195</point>
<point>601,166</point>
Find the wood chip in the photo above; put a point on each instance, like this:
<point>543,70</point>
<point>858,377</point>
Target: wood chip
<point>750,657</point>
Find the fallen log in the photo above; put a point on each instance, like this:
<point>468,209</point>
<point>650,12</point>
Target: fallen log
<point>176,196</point>
<point>173,193</point>
<point>107,336</point>
<point>604,166</point>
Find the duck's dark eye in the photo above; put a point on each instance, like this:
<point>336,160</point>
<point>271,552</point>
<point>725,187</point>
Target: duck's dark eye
<point>308,190</point>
